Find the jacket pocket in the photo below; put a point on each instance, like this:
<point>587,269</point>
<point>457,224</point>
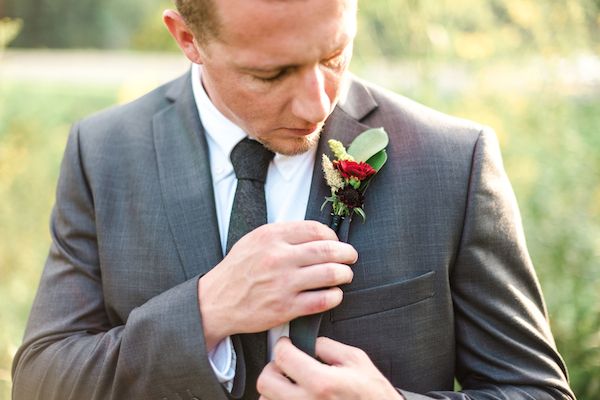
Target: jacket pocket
<point>383,298</point>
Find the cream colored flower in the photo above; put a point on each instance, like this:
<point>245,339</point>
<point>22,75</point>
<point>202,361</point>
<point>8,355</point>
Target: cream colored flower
<point>332,175</point>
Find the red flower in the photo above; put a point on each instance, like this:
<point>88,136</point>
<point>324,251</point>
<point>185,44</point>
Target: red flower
<point>359,170</point>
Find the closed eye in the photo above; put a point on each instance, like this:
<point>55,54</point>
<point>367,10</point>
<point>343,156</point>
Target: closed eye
<point>275,77</point>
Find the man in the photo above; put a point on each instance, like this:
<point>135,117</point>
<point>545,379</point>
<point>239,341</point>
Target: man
<point>137,299</point>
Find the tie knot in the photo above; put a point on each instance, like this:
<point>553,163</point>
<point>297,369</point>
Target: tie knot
<point>250,160</point>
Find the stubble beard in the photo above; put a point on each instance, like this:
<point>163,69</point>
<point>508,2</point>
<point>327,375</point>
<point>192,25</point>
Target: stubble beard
<point>293,146</point>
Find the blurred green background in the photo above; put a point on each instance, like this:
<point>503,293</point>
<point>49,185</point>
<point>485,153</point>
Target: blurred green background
<point>528,68</point>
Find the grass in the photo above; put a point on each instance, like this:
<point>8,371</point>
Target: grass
<point>550,142</point>
<point>34,123</point>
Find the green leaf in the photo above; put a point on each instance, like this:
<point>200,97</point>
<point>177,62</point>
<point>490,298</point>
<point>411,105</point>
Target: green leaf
<point>368,143</point>
<point>361,212</point>
<point>378,160</point>
<point>330,199</point>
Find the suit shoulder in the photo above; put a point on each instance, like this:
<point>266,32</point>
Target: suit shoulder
<point>121,138</point>
<point>429,139</point>
<point>420,122</point>
<point>130,120</point>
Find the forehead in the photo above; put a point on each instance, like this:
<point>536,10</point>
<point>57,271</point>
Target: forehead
<point>285,30</point>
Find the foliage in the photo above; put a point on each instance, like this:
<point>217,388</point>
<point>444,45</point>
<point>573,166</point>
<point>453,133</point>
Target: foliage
<point>152,34</point>
<point>32,138</point>
<point>390,29</point>
<point>9,29</point>
<point>475,29</point>
<point>77,24</point>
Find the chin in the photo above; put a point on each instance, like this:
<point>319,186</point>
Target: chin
<point>292,146</point>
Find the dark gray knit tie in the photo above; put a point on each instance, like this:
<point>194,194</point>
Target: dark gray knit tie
<point>250,161</point>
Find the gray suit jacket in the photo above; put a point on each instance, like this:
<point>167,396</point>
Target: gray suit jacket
<point>444,286</point>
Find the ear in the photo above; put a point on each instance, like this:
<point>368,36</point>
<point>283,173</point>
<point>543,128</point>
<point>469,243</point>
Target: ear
<point>183,35</point>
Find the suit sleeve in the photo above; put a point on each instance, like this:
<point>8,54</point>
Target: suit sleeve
<point>504,347</point>
<point>72,351</point>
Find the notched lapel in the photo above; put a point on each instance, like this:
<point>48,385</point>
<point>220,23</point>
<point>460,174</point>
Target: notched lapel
<point>343,125</point>
<point>186,183</point>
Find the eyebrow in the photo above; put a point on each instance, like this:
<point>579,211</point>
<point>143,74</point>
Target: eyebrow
<point>273,68</point>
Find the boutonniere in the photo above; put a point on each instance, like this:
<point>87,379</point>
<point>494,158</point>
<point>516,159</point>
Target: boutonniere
<point>349,174</point>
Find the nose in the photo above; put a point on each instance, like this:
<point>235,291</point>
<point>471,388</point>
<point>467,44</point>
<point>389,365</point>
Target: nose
<point>311,102</point>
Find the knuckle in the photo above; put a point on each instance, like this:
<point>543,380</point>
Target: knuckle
<point>319,230</point>
<point>326,300</point>
<point>275,307</point>
<point>326,249</point>
<point>274,257</point>
<point>332,274</point>
<point>281,355</point>
<point>315,229</point>
<point>281,307</point>
<point>318,304</point>
<point>324,389</point>
<point>359,354</point>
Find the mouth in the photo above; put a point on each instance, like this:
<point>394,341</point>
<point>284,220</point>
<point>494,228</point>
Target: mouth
<point>303,131</point>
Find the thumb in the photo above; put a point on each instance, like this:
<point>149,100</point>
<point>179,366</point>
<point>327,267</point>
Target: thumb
<point>335,353</point>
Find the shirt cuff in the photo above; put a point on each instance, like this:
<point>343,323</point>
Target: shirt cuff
<point>223,360</point>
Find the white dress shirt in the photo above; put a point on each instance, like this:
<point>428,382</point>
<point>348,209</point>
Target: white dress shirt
<point>286,191</point>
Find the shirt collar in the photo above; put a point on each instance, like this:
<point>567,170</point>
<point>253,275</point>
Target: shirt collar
<point>288,166</point>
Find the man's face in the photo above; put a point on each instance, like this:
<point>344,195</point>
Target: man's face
<point>276,68</point>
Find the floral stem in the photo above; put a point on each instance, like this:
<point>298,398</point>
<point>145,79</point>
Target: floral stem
<point>336,221</point>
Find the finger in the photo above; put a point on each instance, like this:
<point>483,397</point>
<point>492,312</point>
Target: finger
<point>297,232</point>
<point>296,364</point>
<point>316,301</point>
<point>332,352</point>
<point>322,276</point>
<point>273,384</point>
<point>325,251</point>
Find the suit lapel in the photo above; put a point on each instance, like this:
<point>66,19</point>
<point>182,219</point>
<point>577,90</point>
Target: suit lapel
<point>185,180</point>
<point>343,125</point>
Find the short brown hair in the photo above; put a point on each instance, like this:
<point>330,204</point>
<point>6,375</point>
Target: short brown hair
<point>201,17</point>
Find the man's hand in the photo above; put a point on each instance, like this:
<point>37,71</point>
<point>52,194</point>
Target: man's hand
<point>348,374</point>
<point>269,277</point>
